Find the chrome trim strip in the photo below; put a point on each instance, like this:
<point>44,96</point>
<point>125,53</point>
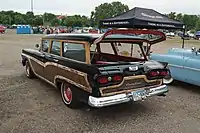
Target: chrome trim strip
<point>185,67</point>
<point>71,82</point>
<point>54,64</point>
<point>67,58</point>
<point>71,70</point>
<point>123,98</point>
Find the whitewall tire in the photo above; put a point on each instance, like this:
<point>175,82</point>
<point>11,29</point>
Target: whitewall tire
<point>68,96</point>
<point>28,70</point>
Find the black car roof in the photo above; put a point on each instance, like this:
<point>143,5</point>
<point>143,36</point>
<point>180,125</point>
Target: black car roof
<point>77,37</point>
<point>92,37</point>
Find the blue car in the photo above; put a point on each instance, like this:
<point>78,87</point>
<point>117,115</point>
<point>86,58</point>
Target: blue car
<point>184,64</point>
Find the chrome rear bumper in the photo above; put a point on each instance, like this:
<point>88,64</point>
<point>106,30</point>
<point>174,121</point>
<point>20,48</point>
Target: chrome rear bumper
<point>123,98</point>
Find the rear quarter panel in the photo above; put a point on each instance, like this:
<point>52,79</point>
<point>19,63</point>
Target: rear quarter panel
<point>192,68</point>
<point>183,63</point>
<point>175,63</point>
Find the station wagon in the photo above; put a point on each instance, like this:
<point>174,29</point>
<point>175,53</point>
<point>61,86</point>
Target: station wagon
<point>99,69</point>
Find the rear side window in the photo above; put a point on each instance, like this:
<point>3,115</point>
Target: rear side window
<point>55,48</point>
<point>74,51</point>
<point>45,45</point>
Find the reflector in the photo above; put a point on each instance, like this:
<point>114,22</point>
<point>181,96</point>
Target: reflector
<point>117,78</point>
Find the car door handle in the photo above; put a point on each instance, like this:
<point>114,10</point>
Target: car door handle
<point>55,60</point>
<point>48,56</point>
<point>42,55</point>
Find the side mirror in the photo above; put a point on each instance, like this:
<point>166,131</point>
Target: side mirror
<point>193,49</point>
<point>37,45</point>
<point>199,50</point>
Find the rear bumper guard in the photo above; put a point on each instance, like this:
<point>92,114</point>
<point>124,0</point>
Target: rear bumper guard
<point>123,98</point>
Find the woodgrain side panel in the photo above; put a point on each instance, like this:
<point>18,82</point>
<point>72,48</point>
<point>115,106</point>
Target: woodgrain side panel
<point>37,66</point>
<point>56,71</point>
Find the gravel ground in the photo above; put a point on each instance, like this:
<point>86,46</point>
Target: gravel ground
<point>32,106</point>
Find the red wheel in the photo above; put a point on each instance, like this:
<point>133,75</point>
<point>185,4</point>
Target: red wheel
<point>69,96</point>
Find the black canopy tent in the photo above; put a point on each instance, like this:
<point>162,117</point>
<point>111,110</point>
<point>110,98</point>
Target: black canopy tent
<point>142,18</point>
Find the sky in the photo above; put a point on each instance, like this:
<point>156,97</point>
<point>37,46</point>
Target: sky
<point>84,7</point>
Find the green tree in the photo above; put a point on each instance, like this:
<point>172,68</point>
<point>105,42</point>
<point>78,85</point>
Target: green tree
<point>62,21</point>
<point>38,20</point>
<point>20,20</point>
<point>92,18</point>
<point>55,22</point>
<point>172,15</point>
<point>190,21</point>
<point>8,13</point>
<point>49,17</point>
<point>76,21</point>
<point>107,10</point>
<point>5,19</point>
<point>179,17</point>
<point>29,17</point>
<point>197,28</point>
<point>118,8</point>
<point>85,21</point>
<point>30,14</point>
<point>69,21</point>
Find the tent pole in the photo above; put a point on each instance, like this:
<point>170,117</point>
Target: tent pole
<point>99,27</point>
<point>183,44</point>
<point>99,30</point>
<point>131,50</point>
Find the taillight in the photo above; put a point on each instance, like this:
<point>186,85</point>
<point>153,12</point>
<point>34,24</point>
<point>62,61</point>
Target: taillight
<point>102,80</point>
<point>164,73</point>
<point>154,73</point>
<point>158,73</point>
<point>117,78</point>
<point>109,79</point>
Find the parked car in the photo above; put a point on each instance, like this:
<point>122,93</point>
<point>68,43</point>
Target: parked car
<point>91,68</point>
<point>191,35</point>
<point>186,36</point>
<point>2,29</point>
<point>170,34</point>
<point>197,35</point>
<point>184,64</point>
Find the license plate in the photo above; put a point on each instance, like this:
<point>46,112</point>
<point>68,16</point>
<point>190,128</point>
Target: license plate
<point>139,95</point>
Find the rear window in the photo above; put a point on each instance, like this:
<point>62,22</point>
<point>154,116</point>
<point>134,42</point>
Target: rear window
<point>123,49</point>
<point>130,50</point>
